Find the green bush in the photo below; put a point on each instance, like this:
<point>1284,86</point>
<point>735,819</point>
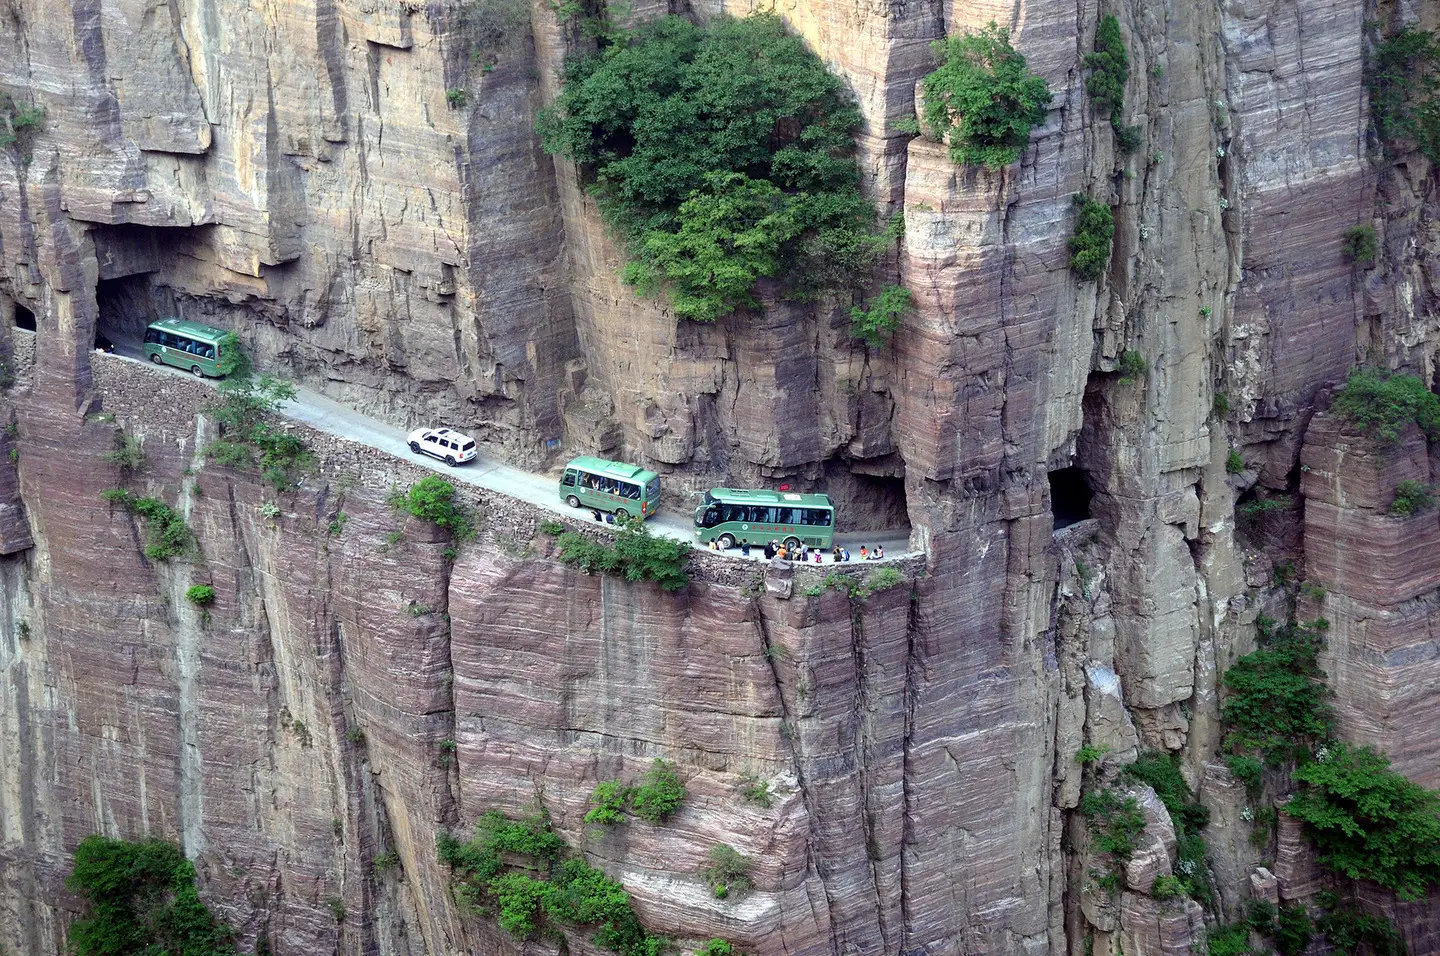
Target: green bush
<point>1361,245</point>
<point>1132,367</point>
<point>716,947</point>
<point>166,533</point>
<point>1089,754</point>
<point>1161,771</point>
<point>608,803</point>
<point>128,456</point>
<point>722,154</point>
<point>1411,498</point>
<point>551,527</point>
<point>246,426</point>
<point>1114,822</point>
<point>456,98</point>
<point>1090,245</point>
<point>659,793</point>
<point>1276,698</point>
<point>1167,888</point>
<point>1233,940</point>
<point>727,874</point>
<point>1405,90</point>
<point>985,97</point>
<point>432,499</point>
<point>1381,405</point>
<point>201,595</point>
<point>488,876</point>
<point>1247,770</point>
<point>876,324</point>
<point>1352,932</point>
<point>140,898</point>
<point>757,792</point>
<point>1368,822</point>
<point>1109,68</point>
<point>1234,463</point>
<point>1292,930</point>
<point>636,555</point>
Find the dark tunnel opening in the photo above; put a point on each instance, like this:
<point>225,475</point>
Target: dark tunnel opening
<point>1069,496</point>
<point>24,318</point>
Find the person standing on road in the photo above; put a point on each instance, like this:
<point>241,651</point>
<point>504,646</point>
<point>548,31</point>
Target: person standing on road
<point>745,547</point>
<point>770,551</point>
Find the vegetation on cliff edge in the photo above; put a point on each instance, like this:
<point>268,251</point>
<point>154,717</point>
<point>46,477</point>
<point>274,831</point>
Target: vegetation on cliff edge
<point>1381,404</point>
<point>522,872</point>
<point>140,899</point>
<point>985,97</point>
<point>1405,90</point>
<point>722,154</point>
<point>249,434</point>
<point>1090,244</point>
<point>432,499</point>
<point>636,555</point>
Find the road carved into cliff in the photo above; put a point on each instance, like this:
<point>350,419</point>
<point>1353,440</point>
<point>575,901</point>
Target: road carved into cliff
<point>329,416</point>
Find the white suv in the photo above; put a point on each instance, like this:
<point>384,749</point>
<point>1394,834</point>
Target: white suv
<point>449,446</point>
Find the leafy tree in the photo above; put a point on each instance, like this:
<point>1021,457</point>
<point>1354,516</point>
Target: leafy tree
<point>1382,404</point>
<point>985,97</point>
<point>1276,698</point>
<point>1405,90</point>
<point>1361,245</point>
<point>1412,497</point>
<point>721,154</point>
<point>608,802</point>
<point>1109,68</point>
<point>1090,245</point>
<point>247,428</point>
<point>1369,822</point>
<point>876,324</point>
<point>432,499</point>
<point>140,900</point>
<point>659,793</point>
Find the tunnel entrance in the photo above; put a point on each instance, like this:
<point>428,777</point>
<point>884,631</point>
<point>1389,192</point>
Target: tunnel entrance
<point>866,502</point>
<point>24,318</point>
<point>1069,496</point>
<point>125,305</point>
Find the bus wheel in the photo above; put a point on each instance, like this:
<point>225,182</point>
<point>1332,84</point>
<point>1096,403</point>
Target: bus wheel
<point>572,501</point>
<point>726,542</point>
<point>792,544</point>
<point>155,357</point>
<point>621,514</point>
<point>195,371</point>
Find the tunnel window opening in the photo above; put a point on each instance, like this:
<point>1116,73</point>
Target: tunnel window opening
<point>1069,496</point>
<point>24,318</point>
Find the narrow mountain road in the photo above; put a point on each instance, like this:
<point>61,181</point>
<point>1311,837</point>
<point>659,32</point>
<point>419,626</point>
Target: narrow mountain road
<point>317,411</point>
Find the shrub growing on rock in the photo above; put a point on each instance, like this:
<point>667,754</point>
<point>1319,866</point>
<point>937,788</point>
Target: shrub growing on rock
<point>636,555</point>
<point>1405,90</point>
<point>1411,498</point>
<point>1369,822</point>
<point>1361,245</point>
<point>1090,245</point>
<point>985,97</point>
<point>1114,821</point>
<point>166,533</point>
<point>549,890</point>
<point>722,154</point>
<point>1276,701</point>
<point>876,324</point>
<point>201,595</point>
<point>727,874</point>
<point>140,898</point>
<point>659,793</point>
<point>432,499</point>
<point>1382,404</point>
<point>1109,68</point>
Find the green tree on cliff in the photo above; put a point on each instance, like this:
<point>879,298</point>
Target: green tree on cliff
<point>985,97</point>
<point>140,900</point>
<point>722,155</point>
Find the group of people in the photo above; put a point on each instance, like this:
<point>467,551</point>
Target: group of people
<point>805,553</point>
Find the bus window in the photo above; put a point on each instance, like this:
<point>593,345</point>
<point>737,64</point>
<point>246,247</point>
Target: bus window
<point>152,336</point>
<point>569,479</point>
<point>652,490</point>
<point>632,491</point>
<point>711,518</point>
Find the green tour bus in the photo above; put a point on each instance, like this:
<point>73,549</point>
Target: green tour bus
<point>614,486</point>
<point>188,345</point>
<point>731,515</point>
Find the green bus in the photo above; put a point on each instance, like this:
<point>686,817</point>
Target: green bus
<point>730,515</point>
<point>626,490</point>
<point>188,345</point>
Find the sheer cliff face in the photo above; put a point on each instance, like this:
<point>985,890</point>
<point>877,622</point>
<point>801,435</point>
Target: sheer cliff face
<point>354,186</point>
